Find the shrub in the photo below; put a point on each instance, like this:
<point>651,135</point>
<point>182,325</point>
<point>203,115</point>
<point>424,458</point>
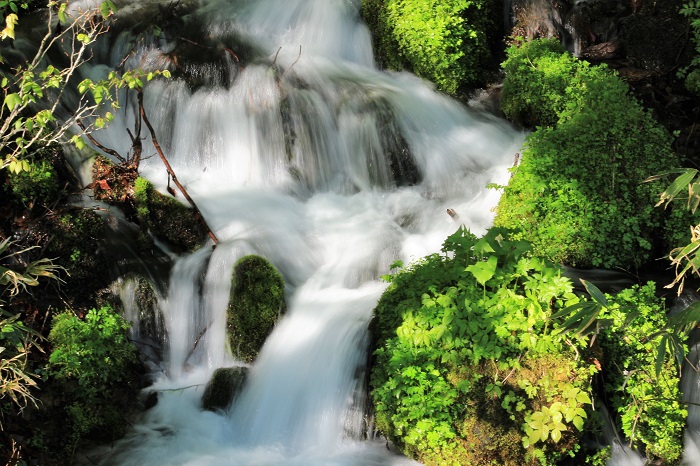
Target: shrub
<point>76,236</point>
<point>256,303</point>
<point>95,366</point>
<point>466,367</point>
<point>578,194</point>
<point>540,80</point>
<point>95,352</point>
<point>443,41</point>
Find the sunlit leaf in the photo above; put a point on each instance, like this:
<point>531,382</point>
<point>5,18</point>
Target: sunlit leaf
<point>12,101</point>
<point>595,293</point>
<point>483,271</point>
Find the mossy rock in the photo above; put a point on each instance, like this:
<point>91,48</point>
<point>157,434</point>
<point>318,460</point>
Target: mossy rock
<point>168,219</point>
<point>257,301</point>
<point>223,387</point>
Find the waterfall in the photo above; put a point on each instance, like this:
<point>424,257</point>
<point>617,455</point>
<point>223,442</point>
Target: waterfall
<point>305,153</point>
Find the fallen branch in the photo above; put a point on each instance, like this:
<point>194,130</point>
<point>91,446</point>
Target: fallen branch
<point>182,189</point>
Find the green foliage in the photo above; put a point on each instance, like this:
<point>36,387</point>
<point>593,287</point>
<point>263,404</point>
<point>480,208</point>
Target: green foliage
<point>443,41</point>
<point>578,193</point>
<point>649,405</point>
<point>16,379</point>
<point>600,458</point>
<point>32,89</point>
<point>94,362</point>
<point>256,303</point>
<point>462,341</point>
<point>685,258</point>
<point>539,82</point>
<point>37,182</point>
<point>14,281</point>
<point>641,383</point>
<point>691,73</point>
<point>95,351</point>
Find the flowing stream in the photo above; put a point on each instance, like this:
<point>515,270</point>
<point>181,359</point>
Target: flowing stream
<point>297,148</point>
<point>306,154</point>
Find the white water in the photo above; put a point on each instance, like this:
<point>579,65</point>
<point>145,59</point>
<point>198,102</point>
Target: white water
<point>331,215</point>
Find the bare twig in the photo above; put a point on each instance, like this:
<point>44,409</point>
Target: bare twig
<point>295,62</point>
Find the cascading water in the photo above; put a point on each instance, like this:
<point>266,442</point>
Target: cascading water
<point>311,157</point>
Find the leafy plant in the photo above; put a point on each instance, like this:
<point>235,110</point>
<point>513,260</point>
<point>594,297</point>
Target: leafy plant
<point>685,258</point>
<point>94,361</point>
<point>539,82</point>
<point>36,183</point>
<point>16,343</point>
<point>15,281</point>
<point>462,342</point>
<point>32,91</point>
<point>95,351</point>
<point>641,382</point>
<point>17,340</point>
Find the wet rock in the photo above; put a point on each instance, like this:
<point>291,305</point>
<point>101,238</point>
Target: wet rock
<point>603,51</point>
<point>223,388</point>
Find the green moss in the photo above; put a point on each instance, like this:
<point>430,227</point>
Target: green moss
<point>256,303</point>
<point>75,244</point>
<point>38,185</point>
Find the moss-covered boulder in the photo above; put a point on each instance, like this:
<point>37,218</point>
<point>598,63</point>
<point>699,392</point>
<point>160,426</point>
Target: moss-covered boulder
<point>223,387</point>
<point>446,42</point>
<point>168,219</point>
<point>256,303</point>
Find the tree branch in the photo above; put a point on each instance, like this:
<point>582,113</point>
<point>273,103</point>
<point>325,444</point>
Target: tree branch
<point>97,143</point>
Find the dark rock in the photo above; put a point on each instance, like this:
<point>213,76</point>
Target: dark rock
<point>603,51</point>
<point>223,388</point>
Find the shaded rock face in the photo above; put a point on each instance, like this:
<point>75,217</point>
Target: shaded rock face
<point>604,29</point>
<point>223,388</point>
